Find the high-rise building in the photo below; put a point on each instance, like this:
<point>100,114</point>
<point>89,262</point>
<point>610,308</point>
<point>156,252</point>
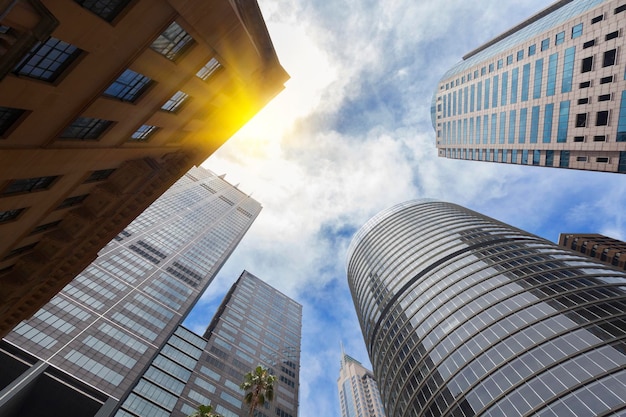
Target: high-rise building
<point>104,328</point>
<point>550,92</point>
<point>606,249</point>
<point>358,391</point>
<point>463,315</point>
<point>103,106</point>
<point>255,325</point>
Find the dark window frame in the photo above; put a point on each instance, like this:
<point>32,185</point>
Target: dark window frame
<point>9,117</point>
<point>28,185</point>
<point>611,35</point>
<point>46,61</point>
<point>10,215</point>
<point>86,128</point>
<point>129,86</point>
<point>72,201</point>
<point>143,133</point>
<point>173,42</point>
<point>602,118</point>
<point>581,120</point>
<point>586,64</point>
<point>609,58</point>
<point>107,10</point>
<point>99,175</point>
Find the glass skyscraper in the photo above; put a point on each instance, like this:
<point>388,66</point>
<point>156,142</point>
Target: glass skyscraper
<point>105,327</point>
<point>464,315</point>
<point>255,325</point>
<point>549,92</point>
<point>358,390</point>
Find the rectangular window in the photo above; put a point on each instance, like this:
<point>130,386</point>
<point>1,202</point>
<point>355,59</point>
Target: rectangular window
<point>609,58</point>
<point>545,44</point>
<point>173,42</point>
<point>536,157</point>
<point>525,81</point>
<point>568,69</point>
<point>512,120</point>
<point>472,97</point>
<point>208,69</point>
<point>587,64</point>
<point>534,124</point>
<point>522,125</point>
<point>597,19</point>
<point>483,71</point>
<point>514,78</point>
<point>500,63</point>
<point>604,97</point>
<point>8,215</point>
<point>559,38</point>
<point>128,86</point>
<point>8,116</point>
<point>465,99</point>
<point>478,129</point>
<point>547,123</point>
<point>143,133</point>
<point>502,127</point>
<point>599,138</point>
<point>524,156</point>
<point>179,98</point>
<point>589,44</point>
<point>20,250</point>
<point>532,49</point>
<point>579,138</point>
<point>47,60</point>
<point>475,74</point>
<point>606,80</point>
<point>520,55</point>
<point>28,185</point>
<point>514,156</point>
<point>551,81</point>
<point>487,94</point>
<point>45,227</point>
<point>494,97</point>
<point>561,134</point>
<point>602,118</point>
<point>549,158</point>
<point>72,201</point>
<point>583,100</point>
<point>564,159</point>
<point>585,84</point>
<point>577,30</point>
<point>494,121</point>
<point>86,128</point>
<point>581,159</point>
<point>581,120</point>
<point>107,10</point>
<point>619,9</point>
<point>99,175</point>
<point>485,128</point>
<point>621,121</point>
<point>602,160</point>
<point>471,130</point>
<point>611,35</point>
<point>505,88</point>
<point>491,68</point>
<point>509,59</point>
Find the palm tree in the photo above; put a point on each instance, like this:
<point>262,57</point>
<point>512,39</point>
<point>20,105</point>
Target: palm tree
<point>205,411</point>
<point>259,387</point>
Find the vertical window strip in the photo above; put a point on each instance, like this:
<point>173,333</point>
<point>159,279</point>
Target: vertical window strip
<point>512,118</point>
<point>534,124</point>
<point>502,127</point>
<point>494,98</point>
<point>525,81</point>
<point>568,70</point>
<point>464,131</point>
<point>494,121</point>
<point>478,130</point>
<point>523,115</point>
<point>479,96</point>
<point>552,66</point>
<point>549,158</point>
<point>514,78</point>
<point>465,100</point>
<point>561,135</point>
<point>487,85</point>
<point>547,122</point>
<point>471,130</point>
<point>472,97</point>
<point>485,129</point>
<point>621,121</point>
<point>505,87</point>
<point>538,78</point>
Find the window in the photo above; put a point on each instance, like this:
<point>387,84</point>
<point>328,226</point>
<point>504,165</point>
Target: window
<point>564,159</point>
<point>581,120</point>
<point>19,251</point>
<point>520,55</point>
<point>532,49</point>
<point>28,185</point>
<point>8,215</point>
<point>545,44</point>
<point>500,63</point>
<point>583,100</point>
<point>581,159</point>
<point>86,128</point>
<point>597,19</point>
<point>579,138</point>
<point>609,58</point>
<point>45,227</point>
<point>585,84</point>
<point>173,42</point>
<point>599,138</point>
<point>509,59</point>
<point>611,35</point>
<point>208,69</point>
<point>620,9</point>
<point>604,97</point>
<point>175,102</point>
<point>46,61</point>
<point>72,201</point>
<point>587,64</point>
<point>143,133</point>
<point>602,118</point>
<point>99,175</point>
<point>8,116</point>
<point>577,30</point>
<point>560,38</point>
<point>490,67</point>
<point>602,160</point>
<point>589,44</point>
<point>128,86</point>
<point>106,9</point>
<point>483,70</point>
<point>606,80</point>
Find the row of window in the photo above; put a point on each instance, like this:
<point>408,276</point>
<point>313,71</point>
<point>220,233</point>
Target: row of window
<point>502,155</point>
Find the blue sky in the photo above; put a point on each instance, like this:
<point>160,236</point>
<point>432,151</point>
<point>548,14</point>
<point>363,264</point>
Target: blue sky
<point>350,136</point>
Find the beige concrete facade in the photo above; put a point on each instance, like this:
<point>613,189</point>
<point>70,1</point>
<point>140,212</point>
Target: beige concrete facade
<point>87,149</point>
<point>606,249</point>
<point>573,111</point>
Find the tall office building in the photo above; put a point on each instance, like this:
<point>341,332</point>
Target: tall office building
<point>464,315</point>
<point>550,92</point>
<point>104,328</point>
<point>358,391</point>
<point>606,249</point>
<point>255,325</point>
<point>103,106</point>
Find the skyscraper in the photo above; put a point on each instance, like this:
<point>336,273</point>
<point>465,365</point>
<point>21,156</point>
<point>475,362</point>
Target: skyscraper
<point>463,315</point>
<point>255,325</point>
<point>358,391</point>
<point>106,325</point>
<point>103,106</point>
<point>550,92</point>
<point>606,249</point>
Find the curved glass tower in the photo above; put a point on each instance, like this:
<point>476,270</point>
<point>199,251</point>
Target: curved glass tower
<point>464,315</point>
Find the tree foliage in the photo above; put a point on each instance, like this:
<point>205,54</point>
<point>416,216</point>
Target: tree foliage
<point>204,411</point>
<point>259,388</point>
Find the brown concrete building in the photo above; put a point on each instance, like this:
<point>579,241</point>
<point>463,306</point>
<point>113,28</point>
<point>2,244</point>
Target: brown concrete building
<point>103,105</point>
<point>606,249</point>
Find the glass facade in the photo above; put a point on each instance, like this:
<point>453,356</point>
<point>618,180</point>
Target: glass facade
<point>463,315</point>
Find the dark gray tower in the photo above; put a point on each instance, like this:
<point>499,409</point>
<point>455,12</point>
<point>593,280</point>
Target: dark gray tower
<point>463,315</point>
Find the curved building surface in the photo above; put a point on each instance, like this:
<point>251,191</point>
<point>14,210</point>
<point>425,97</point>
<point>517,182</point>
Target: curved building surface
<point>464,315</point>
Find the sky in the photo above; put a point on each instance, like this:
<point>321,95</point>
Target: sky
<point>350,136</point>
